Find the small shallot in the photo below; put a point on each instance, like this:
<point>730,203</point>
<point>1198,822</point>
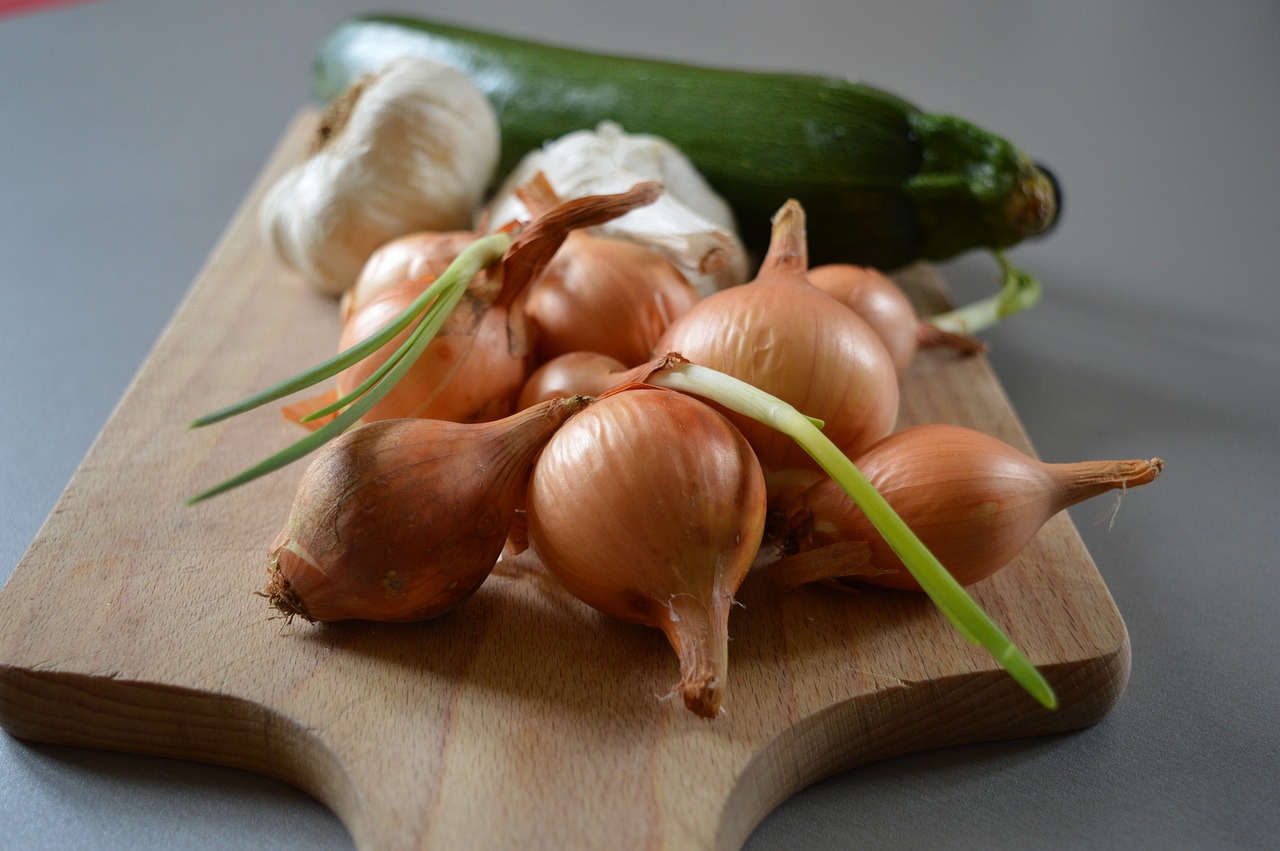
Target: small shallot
<point>475,366</point>
<point>584,373</point>
<point>600,294</point>
<point>974,500</point>
<point>649,506</point>
<point>886,308</point>
<point>405,258</point>
<point>400,520</point>
<point>786,337</point>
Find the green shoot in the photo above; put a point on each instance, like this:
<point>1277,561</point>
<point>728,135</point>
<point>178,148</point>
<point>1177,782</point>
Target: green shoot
<point>433,307</point>
<point>1019,291</point>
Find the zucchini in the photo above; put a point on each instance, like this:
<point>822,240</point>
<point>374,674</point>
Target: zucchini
<point>882,182</point>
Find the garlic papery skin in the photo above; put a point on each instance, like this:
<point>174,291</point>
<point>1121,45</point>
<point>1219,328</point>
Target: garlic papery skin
<point>411,147</point>
<point>690,224</point>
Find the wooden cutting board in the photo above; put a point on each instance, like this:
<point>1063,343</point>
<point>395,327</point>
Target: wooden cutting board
<point>522,719</point>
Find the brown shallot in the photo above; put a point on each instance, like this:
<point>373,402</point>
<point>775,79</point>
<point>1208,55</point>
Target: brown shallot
<point>589,374</point>
<point>786,337</point>
<point>877,299</point>
<point>676,506</point>
<point>974,500</point>
<point>600,294</point>
<point>400,520</point>
<point>406,258</point>
<point>474,367</point>
<point>584,373</point>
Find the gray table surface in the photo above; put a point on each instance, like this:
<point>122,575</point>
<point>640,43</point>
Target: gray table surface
<point>131,129</point>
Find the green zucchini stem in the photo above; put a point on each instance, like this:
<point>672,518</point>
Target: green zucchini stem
<point>433,307</point>
<point>1019,291</point>
<point>945,592</point>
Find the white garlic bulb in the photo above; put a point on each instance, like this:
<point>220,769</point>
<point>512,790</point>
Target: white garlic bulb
<point>411,147</point>
<point>689,224</point>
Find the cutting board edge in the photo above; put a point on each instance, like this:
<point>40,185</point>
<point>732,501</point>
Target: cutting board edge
<point>176,722</point>
<point>1100,680</point>
<point>289,751</point>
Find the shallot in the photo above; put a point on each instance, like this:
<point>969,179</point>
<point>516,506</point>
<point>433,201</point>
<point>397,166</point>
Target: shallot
<point>786,337</point>
<point>481,356</point>
<point>974,500</point>
<point>400,520</point>
<point>601,294</point>
<point>585,373</point>
<point>886,308</point>
<point>649,506</point>
<point>406,258</point>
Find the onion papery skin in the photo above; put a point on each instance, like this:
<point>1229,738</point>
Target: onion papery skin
<point>406,258</point>
<point>608,296</point>
<point>885,307</point>
<point>791,340</point>
<point>573,373</point>
<point>650,506</point>
<point>972,499</point>
<point>474,368</point>
<point>468,372</point>
<point>879,302</point>
<point>401,520</point>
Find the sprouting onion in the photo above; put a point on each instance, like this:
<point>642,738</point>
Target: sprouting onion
<point>433,307</point>
<point>1019,291</point>
<point>945,592</point>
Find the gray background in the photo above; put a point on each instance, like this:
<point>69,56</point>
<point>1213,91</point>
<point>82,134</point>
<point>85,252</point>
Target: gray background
<point>131,129</point>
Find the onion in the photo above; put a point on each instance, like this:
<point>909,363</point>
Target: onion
<point>786,337</point>
<point>406,258</point>
<point>589,374</point>
<point>973,500</point>
<point>649,506</point>
<point>600,294</point>
<point>886,308</point>
<point>581,373</point>
<point>605,295</point>
<point>400,520</point>
<point>474,368</point>
<point>466,374</point>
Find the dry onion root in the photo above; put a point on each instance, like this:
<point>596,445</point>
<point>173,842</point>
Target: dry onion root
<point>401,520</point>
<point>973,500</point>
<point>650,506</point>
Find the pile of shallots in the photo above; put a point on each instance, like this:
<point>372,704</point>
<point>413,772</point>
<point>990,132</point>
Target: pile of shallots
<point>538,388</point>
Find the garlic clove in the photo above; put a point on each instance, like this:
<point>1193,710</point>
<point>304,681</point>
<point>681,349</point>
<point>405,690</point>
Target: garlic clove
<point>411,147</point>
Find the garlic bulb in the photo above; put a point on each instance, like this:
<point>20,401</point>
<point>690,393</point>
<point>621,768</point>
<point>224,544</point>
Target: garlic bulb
<point>411,147</point>
<point>690,224</point>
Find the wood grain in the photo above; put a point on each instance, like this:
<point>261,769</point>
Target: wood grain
<point>522,719</point>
